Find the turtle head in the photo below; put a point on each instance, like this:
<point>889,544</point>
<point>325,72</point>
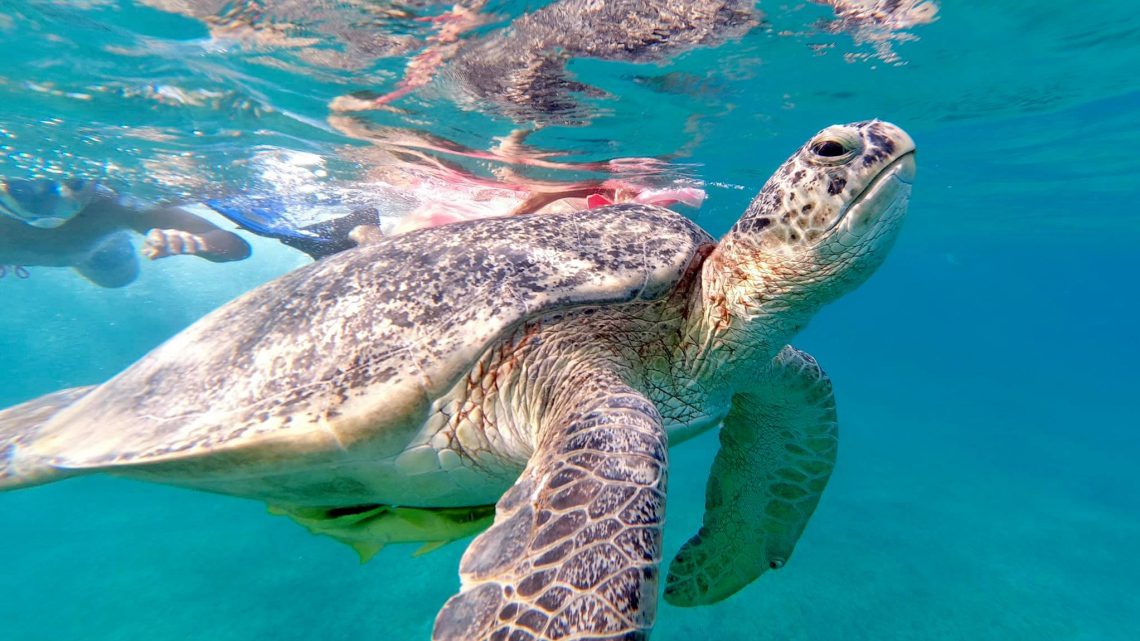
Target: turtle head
<point>823,222</point>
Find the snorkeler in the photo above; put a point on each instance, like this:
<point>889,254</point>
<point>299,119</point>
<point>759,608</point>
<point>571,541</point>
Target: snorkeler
<point>339,230</point>
<point>86,226</point>
<point>412,181</point>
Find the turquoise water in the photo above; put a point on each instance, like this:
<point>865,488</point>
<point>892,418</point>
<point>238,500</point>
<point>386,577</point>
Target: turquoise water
<point>986,376</point>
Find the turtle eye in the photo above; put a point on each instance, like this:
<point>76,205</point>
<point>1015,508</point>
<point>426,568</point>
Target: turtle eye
<point>834,146</point>
<point>829,148</point>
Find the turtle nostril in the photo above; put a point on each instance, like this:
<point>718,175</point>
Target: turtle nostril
<point>828,148</point>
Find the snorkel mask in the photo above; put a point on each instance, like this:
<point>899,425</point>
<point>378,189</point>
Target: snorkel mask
<point>46,203</point>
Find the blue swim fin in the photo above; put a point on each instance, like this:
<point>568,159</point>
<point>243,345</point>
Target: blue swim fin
<point>269,217</point>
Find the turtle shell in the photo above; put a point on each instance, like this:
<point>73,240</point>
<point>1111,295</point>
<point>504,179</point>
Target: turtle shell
<point>348,353</point>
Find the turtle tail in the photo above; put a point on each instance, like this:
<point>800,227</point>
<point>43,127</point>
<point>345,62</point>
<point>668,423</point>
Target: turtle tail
<point>22,425</point>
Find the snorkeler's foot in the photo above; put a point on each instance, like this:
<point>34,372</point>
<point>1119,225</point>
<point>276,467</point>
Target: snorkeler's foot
<point>173,242</point>
<point>365,235</point>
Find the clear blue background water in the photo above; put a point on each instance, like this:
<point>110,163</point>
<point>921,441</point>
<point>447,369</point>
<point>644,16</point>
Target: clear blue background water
<point>986,376</point>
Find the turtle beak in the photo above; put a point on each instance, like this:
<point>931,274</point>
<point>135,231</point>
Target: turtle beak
<point>903,143</point>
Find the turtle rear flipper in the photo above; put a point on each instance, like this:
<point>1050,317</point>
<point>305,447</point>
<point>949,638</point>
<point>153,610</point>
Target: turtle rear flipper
<point>778,447</point>
<point>368,528</point>
<point>22,425</point>
<point>574,548</point>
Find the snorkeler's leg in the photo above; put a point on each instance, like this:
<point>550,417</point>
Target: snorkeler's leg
<point>112,263</point>
<point>172,231</point>
<point>217,245</point>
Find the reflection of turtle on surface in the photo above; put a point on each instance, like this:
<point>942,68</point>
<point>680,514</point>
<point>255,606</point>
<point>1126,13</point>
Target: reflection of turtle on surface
<point>520,70</point>
<point>542,363</point>
<point>86,226</point>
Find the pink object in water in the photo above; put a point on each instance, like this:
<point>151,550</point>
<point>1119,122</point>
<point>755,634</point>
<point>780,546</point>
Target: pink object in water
<point>690,196</point>
<point>597,200</point>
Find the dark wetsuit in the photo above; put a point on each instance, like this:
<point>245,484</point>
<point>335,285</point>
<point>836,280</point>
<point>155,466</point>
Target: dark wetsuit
<point>90,230</point>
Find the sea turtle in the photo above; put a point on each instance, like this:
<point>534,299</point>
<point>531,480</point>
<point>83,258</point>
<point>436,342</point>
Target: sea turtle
<point>540,363</point>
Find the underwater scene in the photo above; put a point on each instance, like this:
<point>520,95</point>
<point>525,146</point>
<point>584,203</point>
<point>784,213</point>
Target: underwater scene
<point>376,260</point>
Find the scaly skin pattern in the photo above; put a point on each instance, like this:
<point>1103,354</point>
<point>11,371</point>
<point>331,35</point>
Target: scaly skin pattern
<point>576,541</point>
<point>778,447</point>
<point>559,562</point>
<point>589,343</point>
<point>491,421</point>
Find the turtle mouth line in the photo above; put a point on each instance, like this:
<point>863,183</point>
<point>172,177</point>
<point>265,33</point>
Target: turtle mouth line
<point>893,170</point>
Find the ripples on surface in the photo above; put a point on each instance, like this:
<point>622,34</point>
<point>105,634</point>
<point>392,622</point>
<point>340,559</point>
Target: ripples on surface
<point>179,100</point>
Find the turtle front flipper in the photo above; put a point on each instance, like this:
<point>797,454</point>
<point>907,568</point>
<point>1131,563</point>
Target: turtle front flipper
<point>575,545</point>
<point>777,450</point>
